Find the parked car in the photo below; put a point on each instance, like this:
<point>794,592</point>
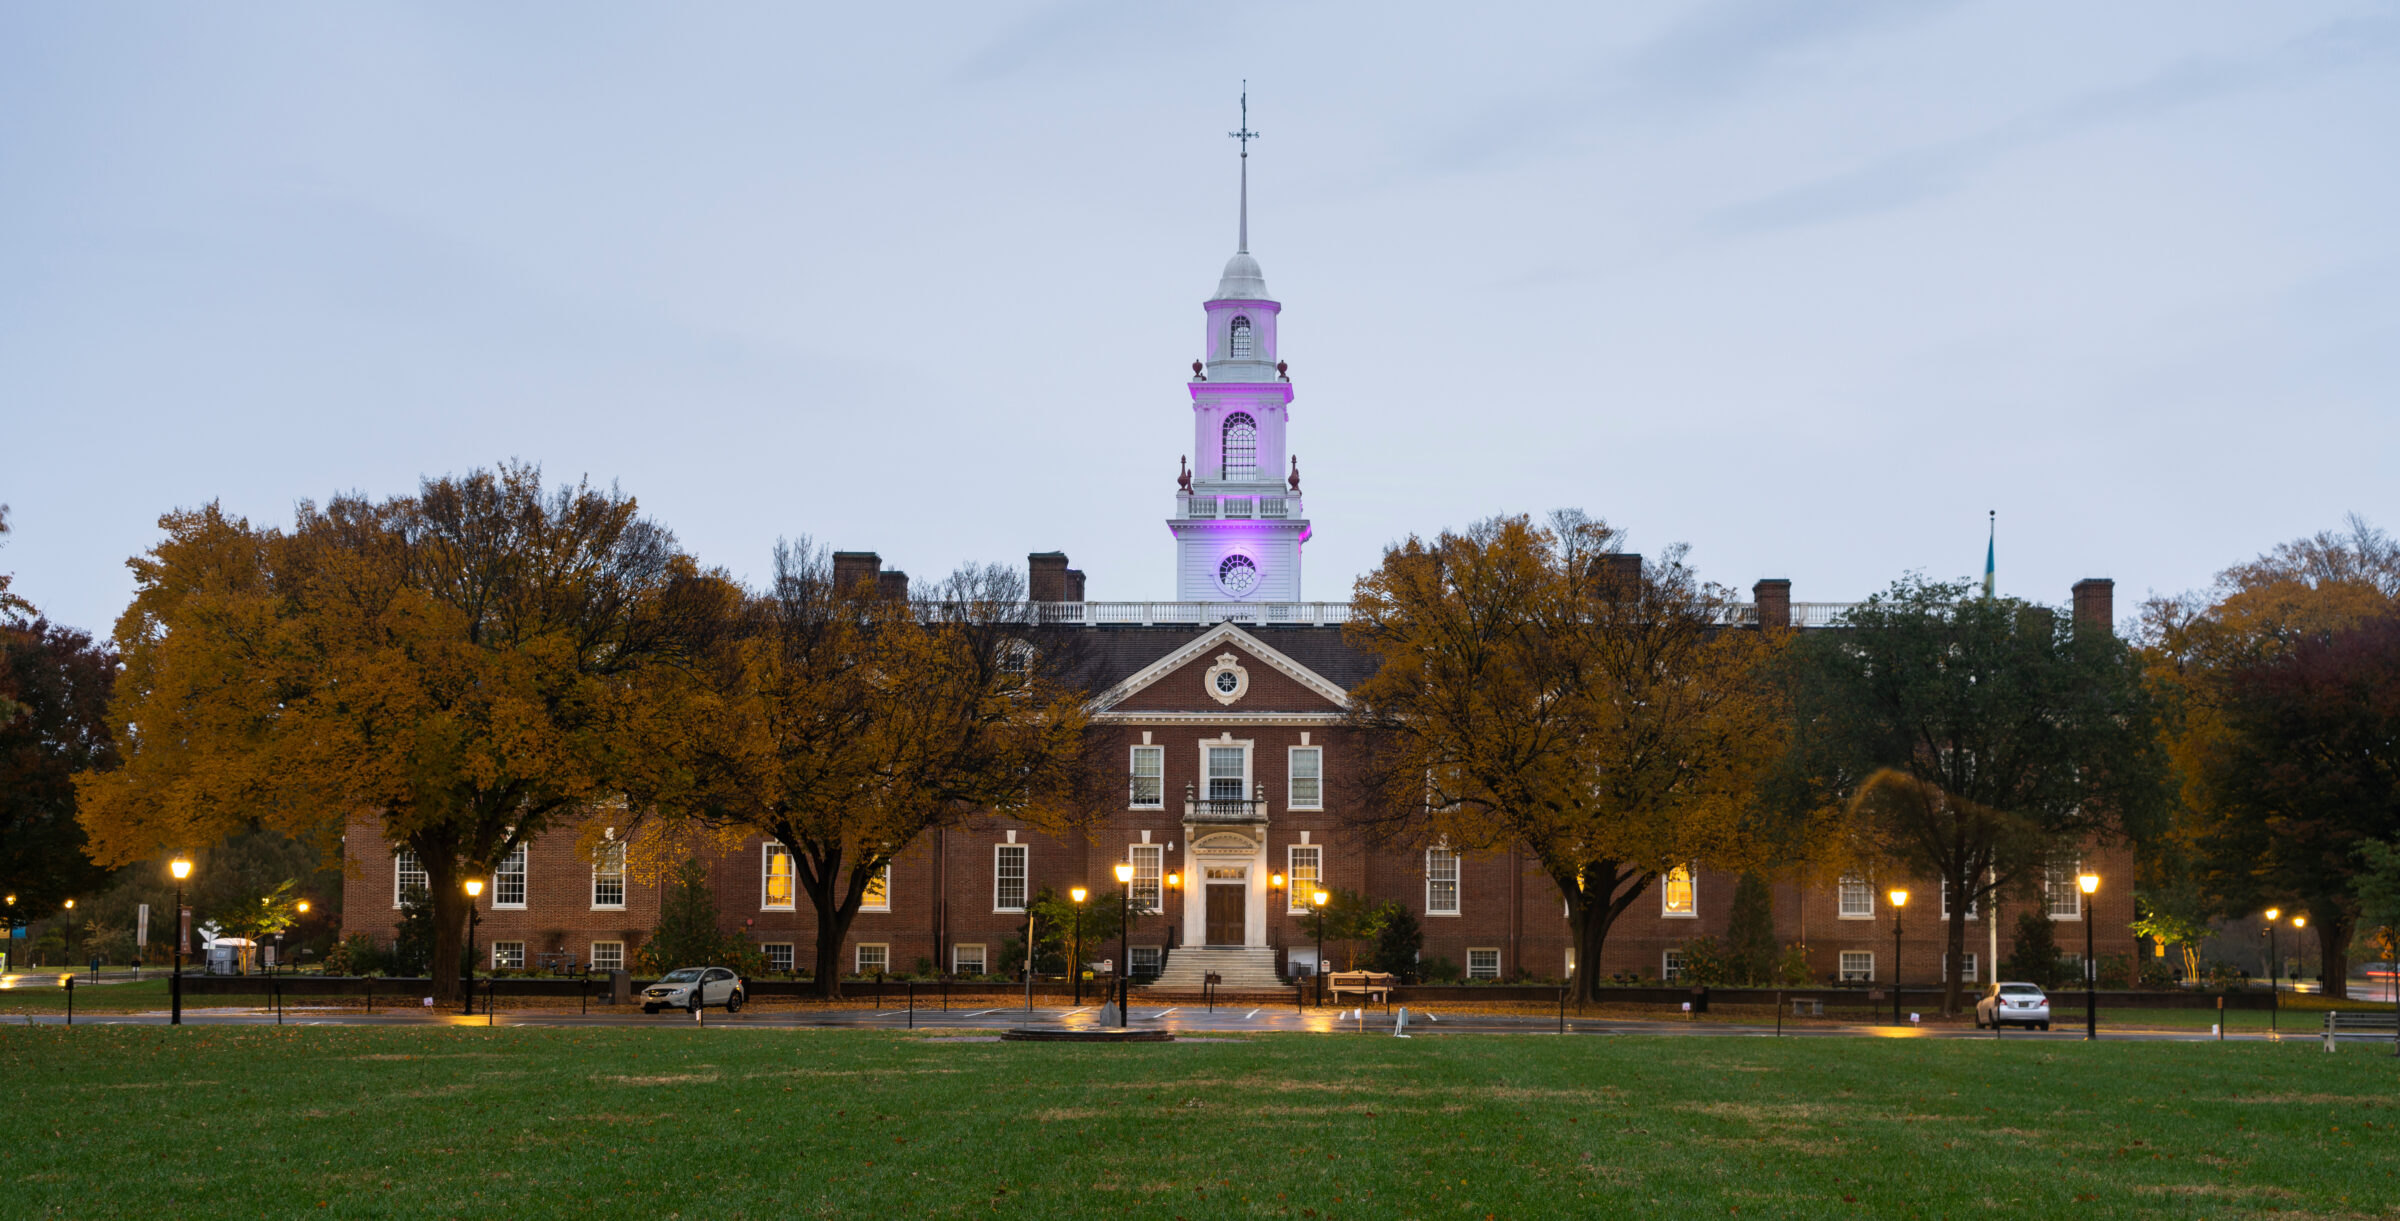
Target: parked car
<point>2013,1005</point>
<point>717,985</point>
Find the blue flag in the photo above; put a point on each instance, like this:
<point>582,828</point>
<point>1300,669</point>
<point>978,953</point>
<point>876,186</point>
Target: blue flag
<point>1990,551</point>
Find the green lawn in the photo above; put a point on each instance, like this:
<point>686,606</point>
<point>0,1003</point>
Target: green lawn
<point>726,1122</point>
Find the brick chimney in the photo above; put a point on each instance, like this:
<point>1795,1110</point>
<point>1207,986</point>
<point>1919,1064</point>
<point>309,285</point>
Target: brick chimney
<point>2096,603</point>
<point>1620,574</point>
<point>1774,599</point>
<point>1046,577</point>
<point>852,569</point>
<point>1074,585</point>
<point>892,584</point>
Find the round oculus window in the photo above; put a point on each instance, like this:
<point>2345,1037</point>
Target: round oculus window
<point>1228,681</point>
<point>1238,575</point>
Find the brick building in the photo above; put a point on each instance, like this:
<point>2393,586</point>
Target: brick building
<point>1226,709</point>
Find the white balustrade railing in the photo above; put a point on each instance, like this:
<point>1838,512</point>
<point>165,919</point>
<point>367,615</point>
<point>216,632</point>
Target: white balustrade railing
<point>1742,614</point>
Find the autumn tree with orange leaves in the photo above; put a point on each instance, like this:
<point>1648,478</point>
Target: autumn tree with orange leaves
<point>1537,688</point>
<point>470,665</point>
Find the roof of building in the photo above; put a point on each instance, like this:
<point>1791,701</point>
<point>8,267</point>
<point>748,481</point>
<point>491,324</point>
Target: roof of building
<point>1115,653</point>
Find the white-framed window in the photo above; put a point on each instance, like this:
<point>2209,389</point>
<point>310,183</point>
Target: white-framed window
<point>1149,788</point>
<point>1670,966</point>
<point>508,955</point>
<point>1240,335</point>
<point>1858,966</point>
<point>1679,893</point>
<point>1308,778</point>
<point>873,956</point>
<point>408,873</point>
<point>1228,773</point>
<point>608,878</point>
<point>966,960</point>
<point>1973,909</point>
<point>777,891</point>
<point>508,879</point>
<point>1008,877</point>
<point>608,955</point>
<point>1241,447</point>
<point>1966,967</point>
<point>2060,893</point>
<point>1483,964</point>
<point>878,897</point>
<point>1441,882</point>
<point>1145,959</point>
<point>1307,872</point>
<point>1857,899</point>
<point>779,956</point>
<point>1147,865</point>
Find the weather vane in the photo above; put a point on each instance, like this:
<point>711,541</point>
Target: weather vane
<point>1245,135</point>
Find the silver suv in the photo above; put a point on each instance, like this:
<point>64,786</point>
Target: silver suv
<point>2013,1005</point>
<point>717,986</point>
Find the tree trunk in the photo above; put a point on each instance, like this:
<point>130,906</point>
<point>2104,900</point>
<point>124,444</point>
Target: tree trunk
<point>837,905</point>
<point>1593,911</point>
<point>2334,927</point>
<point>449,924</point>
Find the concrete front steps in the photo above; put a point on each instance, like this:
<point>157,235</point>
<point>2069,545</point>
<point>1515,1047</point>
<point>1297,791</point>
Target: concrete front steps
<point>1244,970</point>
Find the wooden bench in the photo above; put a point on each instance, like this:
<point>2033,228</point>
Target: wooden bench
<point>1374,985</point>
<point>2355,1023</point>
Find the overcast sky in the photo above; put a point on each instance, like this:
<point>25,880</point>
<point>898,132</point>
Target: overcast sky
<point>1809,286</point>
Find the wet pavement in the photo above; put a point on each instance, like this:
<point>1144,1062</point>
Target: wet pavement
<point>1180,1019</point>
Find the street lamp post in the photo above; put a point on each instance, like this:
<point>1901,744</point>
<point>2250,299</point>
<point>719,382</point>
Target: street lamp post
<point>182,869</point>
<point>1175,904</point>
<point>474,892</point>
<point>1899,900</point>
<point>2274,998</point>
<point>1124,936</point>
<point>1075,943</point>
<point>10,932</point>
<point>2299,953</point>
<point>70,934</point>
<point>2090,882</point>
<point>1276,911</point>
<point>1319,966</point>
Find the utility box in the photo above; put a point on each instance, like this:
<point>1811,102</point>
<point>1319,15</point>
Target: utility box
<point>620,987</point>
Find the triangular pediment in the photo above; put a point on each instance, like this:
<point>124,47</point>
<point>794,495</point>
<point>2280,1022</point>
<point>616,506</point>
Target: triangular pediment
<point>1263,678</point>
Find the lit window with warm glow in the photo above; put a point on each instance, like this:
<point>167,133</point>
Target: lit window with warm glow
<point>1679,893</point>
<point>776,891</point>
<point>879,891</point>
<point>1308,871</point>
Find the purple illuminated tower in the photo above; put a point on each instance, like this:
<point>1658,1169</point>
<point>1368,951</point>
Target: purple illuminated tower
<point>1238,525</point>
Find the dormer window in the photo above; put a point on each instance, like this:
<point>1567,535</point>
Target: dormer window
<point>1241,447</point>
<point>1241,339</point>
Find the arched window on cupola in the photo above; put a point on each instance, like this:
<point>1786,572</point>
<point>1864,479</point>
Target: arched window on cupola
<point>1241,447</point>
<point>1241,339</point>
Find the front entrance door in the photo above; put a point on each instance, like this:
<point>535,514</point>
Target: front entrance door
<point>1226,902</point>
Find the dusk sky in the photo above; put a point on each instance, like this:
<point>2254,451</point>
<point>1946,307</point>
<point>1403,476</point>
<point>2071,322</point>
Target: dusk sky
<point>1808,286</point>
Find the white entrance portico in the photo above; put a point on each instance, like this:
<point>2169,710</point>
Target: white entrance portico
<point>1224,892</point>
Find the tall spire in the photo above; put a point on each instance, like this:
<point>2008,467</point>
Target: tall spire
<point>1245,135</point>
